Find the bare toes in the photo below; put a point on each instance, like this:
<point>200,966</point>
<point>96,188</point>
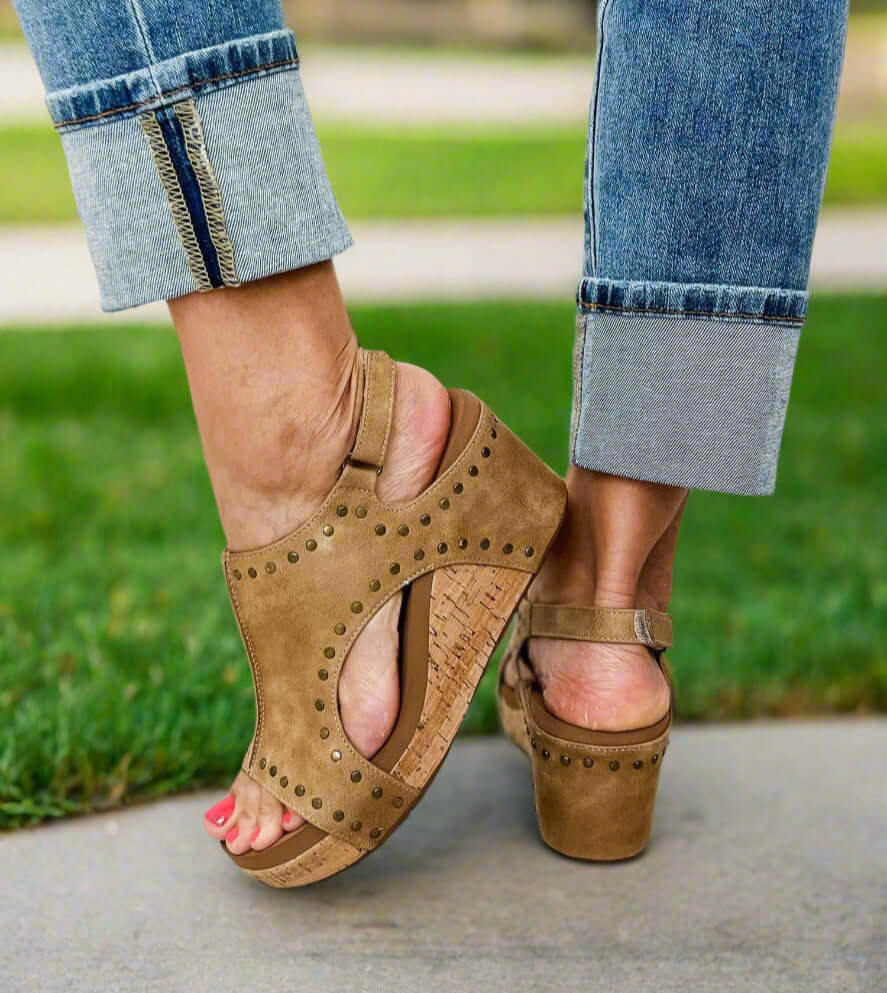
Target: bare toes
<point>217,820</point>
<point>291,820</point>
<point>269,827</point>
<point>245,819</point>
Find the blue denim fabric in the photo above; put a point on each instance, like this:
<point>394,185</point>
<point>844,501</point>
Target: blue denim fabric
<point>709,135</point>
<point>83,43</point>
<point>195,164</point>
<point>192,153</point>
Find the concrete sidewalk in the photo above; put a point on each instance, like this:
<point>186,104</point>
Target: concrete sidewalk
<point>767,874</point>
<point>414,260</point>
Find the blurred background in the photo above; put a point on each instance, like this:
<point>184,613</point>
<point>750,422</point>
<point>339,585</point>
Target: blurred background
<point>454,134</point>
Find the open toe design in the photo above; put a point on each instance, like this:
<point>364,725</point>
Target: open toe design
<point>595,790</point>
<point>463,552</point>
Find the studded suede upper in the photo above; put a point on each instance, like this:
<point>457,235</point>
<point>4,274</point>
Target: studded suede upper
<point>302,601</point>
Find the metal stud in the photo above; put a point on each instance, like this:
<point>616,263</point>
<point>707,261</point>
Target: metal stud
<point>376,833</point>
<point>377,792</point>
<point>238,575</point>
<point>565,760</point>
<point>361,511</point>
<point>328,530</point>
<point>472,470</point>
<point>252,572</point>
<point>293,557</point>
<point>299,790</point>
<point>323,675</point>
<point>485,543</point>
<point>425,520</point>
<point>614,765</point>
<point>418,555</point>
<point>336,755</point>
<point>311,544</point>
<point>339,628</point>
<point>380,529</point>
<point>493,433</point>
<point>637,764</point>
<point>655,758</point>
<point>403,530</point>
<point>338,815</point>
<point>532,743</point>
<point>356,776</point>
<point>375,585</point>
<point>283,781</point>
<point>588,763</point>
<point>341,510</point>
<point>529,551</point>
<point>442,548</point>
<point>324,733</point>
<point>319,705</point>
<point>508,548</point>
<point>458,487</point>
<point>485,452</point>
<point>262,763</point>
<point>356,825</point>
<point>397,802</point>
<point>546,754</point>
<point>316,803</point>
<point>329,652</point>
<point>394,568</point>
<point>270,568</point>
<point>463,543</point>
<point>273,770</point>
<point>356,607</point>
<point>444,504</point>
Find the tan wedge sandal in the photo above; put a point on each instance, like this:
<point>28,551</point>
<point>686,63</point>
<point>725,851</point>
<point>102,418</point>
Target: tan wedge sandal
<point>595,790</point>
<point>463,552</point>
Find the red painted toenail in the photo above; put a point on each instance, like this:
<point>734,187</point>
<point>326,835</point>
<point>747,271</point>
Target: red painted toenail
<point>287,817</point>
<point>255,834</point>
<point>232,834</point>
<point>221,811</point>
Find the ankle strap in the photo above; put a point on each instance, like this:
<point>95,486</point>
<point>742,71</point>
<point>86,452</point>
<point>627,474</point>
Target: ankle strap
<point>652,628</point>
<point>368,454</point>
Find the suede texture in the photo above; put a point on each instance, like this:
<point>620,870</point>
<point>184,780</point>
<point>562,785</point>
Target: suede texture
<point>302,601</point>
<point>595,791</point>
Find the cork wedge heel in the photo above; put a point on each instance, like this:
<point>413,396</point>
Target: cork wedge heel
<point>594,790</point>
<point>463,552</point>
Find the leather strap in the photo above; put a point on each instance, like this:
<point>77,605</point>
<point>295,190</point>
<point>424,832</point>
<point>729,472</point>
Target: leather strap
<point>630,626</point>
<point>368,454</point>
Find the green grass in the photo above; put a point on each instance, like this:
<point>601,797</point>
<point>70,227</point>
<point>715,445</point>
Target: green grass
<point>422,174</point>
<point>121,671</point>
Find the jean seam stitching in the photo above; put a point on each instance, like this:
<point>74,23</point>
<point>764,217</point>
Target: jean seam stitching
<point>693,313</point>
<point>175,199</point>
<point>593,139</point>
<point>138,16</point>
<point>195,149</point>
<point>197,84</point>
<point>578,381</point>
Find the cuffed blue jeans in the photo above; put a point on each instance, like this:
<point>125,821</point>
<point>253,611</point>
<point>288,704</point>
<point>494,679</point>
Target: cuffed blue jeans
<point>195,165</point>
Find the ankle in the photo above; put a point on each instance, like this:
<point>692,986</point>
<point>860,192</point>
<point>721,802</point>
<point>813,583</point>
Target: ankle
<point>272,471</point>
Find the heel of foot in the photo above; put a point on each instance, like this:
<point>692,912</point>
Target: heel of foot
<point>602,687</point>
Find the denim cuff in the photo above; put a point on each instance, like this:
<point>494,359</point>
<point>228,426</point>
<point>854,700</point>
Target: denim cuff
<point>685,384</point>
<point>198,172</point>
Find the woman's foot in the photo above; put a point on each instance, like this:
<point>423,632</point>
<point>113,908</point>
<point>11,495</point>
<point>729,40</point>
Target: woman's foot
<point>616,549</point>
<point>275,376</point>
<point>369,691</point>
